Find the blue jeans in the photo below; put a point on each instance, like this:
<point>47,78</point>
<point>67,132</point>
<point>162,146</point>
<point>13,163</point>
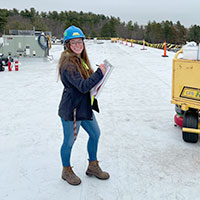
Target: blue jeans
<point>91,127</point>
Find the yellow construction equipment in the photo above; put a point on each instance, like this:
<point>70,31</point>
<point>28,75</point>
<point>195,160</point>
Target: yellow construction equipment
<point>186,95</point>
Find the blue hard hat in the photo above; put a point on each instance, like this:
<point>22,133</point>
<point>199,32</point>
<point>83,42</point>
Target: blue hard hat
<point>73,32</point>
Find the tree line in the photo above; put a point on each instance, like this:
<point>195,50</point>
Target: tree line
<point>96,25</point>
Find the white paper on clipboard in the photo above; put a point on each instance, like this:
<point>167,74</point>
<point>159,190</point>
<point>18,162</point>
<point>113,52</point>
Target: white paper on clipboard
<point>96,90</point>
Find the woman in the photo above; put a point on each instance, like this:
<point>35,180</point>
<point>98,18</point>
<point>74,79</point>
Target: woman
<point>75,108</point>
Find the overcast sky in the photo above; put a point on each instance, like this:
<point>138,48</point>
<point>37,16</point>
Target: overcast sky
<point>140,11</point>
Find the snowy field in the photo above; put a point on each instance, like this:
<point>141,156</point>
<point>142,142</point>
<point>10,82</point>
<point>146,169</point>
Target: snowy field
<point>139,145</point>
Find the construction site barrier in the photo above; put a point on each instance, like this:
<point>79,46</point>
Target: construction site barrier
<point>168,46</point>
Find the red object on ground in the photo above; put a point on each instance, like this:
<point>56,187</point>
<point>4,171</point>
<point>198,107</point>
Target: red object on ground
<point>9,66</point>
<point>16,66</point>
<point>178,120</point>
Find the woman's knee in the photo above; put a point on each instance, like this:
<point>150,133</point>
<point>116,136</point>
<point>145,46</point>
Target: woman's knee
<point>95,135</point>
<point>98,133</point>
<point>68,142</point>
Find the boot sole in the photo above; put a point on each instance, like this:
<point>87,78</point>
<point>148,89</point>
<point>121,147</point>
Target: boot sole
<point>71,183</point>
<point>88,174</point>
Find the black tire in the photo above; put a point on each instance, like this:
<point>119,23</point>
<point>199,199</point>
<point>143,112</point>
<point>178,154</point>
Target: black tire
<point>179,111</point>
<point>190,120</point>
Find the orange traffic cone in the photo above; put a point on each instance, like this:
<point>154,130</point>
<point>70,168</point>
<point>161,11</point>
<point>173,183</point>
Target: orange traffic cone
<point>143,47</point>
<point>165,50</point>
<point>131,43</point>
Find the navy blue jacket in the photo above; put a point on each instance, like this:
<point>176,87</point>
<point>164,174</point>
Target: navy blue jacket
<point>76,93</point>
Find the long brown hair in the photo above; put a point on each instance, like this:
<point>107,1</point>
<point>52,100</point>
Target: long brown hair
<point>69,56</point>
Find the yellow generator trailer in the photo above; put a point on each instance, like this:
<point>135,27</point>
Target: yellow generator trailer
<point>186,96</point>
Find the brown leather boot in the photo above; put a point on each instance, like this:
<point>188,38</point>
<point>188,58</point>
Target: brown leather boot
<point>69,176</point>
<point>94,169</point>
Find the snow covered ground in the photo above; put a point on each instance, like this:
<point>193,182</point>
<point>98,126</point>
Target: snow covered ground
<point>139,145</point>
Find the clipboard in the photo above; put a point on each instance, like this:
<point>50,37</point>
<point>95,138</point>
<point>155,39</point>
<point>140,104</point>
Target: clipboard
<point>96,90</point>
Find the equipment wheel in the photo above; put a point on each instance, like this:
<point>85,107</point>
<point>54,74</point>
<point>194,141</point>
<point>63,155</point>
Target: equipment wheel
<point>190,120</point>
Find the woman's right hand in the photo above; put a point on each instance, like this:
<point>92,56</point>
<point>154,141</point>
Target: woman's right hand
<point>102,68</point>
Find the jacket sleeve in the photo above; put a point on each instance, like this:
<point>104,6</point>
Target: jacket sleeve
<point>83,85</point>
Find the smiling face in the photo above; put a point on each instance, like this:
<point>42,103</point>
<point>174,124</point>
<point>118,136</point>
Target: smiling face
<point>76,45</point>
